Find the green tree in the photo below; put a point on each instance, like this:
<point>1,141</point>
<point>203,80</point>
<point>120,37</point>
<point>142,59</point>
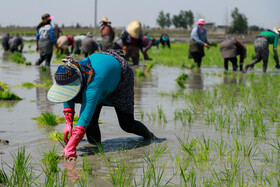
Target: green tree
<point>184,19</point>
<point>161,19</point>
<point>168,20</point>
<point>239,24</point>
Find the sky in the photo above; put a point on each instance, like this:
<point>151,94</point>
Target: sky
<point>262,13</point>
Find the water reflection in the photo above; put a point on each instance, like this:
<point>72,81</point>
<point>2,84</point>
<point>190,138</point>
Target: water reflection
<point>45,78</point>
<point>5,55</point>
<point>195,79</point>
<point>233,78</point>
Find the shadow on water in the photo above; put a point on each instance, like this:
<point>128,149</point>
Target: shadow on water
<point>117,144</point>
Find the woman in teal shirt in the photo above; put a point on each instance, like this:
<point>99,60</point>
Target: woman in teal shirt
<point>102,79</point>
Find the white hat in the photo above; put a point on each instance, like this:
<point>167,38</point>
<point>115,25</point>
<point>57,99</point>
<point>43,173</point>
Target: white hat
<point>277,30</point>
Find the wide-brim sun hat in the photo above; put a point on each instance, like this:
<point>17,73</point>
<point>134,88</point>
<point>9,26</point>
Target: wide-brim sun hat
<point>105,19</point>
<point>134,29</point>
<point>68,83</point>
<point>201,22</point>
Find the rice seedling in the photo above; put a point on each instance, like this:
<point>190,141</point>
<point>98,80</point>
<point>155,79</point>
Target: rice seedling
<point>154,172</point>
<point>21,170</point>
<point>203,153</point>
<point>188,147</point>
<point>43,68</point>
<point>87,166</point>
<point>173,95</point>
<point>47,118</point>
<point>55,136</point>
<point>268,156</point>
<point>120,175</point>
<point>249,148</point>
<point>50,160</point>
<point>3,85</point>
<point>275,145</point>
<point>139,73</point>
<point>83,179</point>
<point>221,147</point>
<point>8,95</point>
<point>161,114</point>
<point>55,179</point>
<point>181,80</point>
<point>28,85</point>
<point>149,67</point>
<point>184,116</point>
<point>28,63</point>
<point>152,116</point>
<point>17,57</point>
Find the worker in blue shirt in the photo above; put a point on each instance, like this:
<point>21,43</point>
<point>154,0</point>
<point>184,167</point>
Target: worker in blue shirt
<point>45,39</point>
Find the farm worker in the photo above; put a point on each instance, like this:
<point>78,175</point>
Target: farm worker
<point>164,40</point>
<point>198,42</point>
<point>230,48</point>
<point>261,44</point>
<point>57,31</point>
<point>45,40</point>
<point>16,44</point>
<point>63,42</point>
<point>89,45</point>
<point>78,43</point>
<point>102,79</point>
<point>107,33</point>
<point>5,42</point>
<point>155,42</point>
<point>147,44</point>
<point>132,41</point>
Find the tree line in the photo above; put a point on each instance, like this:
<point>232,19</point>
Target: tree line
<point>185,20</point>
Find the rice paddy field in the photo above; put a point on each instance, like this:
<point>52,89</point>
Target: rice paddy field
<point>222,127</point>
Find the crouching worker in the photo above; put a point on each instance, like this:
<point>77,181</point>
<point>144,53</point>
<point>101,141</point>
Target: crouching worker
<point>102,79</point>
<point>261,45</point>
<point>230,48</point>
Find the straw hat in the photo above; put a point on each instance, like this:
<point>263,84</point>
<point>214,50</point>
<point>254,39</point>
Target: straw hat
<point>105,19</point>
<point>134,29</point>
<point>68,82</point>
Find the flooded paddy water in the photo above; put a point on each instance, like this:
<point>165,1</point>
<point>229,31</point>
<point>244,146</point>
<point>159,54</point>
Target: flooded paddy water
<point>220,130</point>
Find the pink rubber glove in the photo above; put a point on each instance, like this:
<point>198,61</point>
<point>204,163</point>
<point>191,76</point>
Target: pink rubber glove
<point>68,116</point>
<point>70,149</point>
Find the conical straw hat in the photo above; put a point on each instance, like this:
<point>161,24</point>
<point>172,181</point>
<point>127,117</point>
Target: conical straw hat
<point>134,29</point>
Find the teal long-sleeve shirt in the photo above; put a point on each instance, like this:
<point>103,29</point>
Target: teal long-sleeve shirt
<point>107,73</point>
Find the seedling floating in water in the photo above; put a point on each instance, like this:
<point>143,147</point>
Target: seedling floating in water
<point>7,95</point>
<point>17,57</point>
<point>47,118</point>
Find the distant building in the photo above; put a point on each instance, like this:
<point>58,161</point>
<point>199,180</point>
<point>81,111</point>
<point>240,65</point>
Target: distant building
<point>210,27</point>
<point>222,29</point>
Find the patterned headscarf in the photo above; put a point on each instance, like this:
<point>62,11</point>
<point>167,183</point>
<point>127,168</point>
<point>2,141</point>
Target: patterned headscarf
<point>85,68</point>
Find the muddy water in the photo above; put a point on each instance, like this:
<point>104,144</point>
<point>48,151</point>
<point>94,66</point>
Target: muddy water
<point>19,128</point>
